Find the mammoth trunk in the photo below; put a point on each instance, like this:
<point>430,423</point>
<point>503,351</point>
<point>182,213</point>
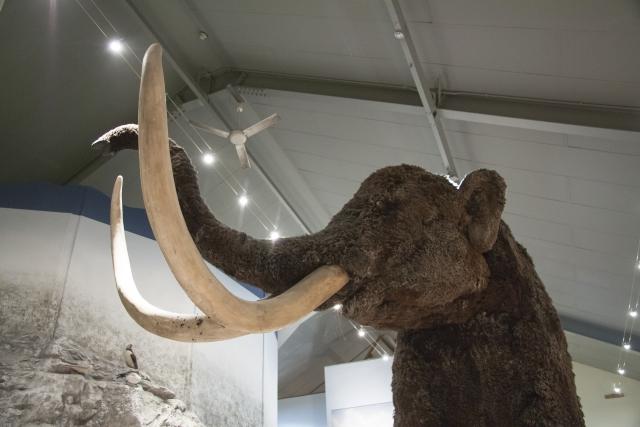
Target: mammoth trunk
<point>272,267</point>
<point>234,252</point>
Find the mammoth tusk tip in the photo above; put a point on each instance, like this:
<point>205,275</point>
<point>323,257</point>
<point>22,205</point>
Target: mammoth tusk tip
<point>155,47</point>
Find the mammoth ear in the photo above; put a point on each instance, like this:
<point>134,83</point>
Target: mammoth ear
<point>483,192</point>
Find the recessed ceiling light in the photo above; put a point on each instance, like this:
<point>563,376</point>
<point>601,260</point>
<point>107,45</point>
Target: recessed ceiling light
<point>116,46</point>
<point>274,235</point>
<point>243,200</point>
<point>208,158</point>
<point>337,307</point>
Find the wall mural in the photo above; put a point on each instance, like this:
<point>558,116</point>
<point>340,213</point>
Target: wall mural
<point>64,333</point>
<point>479,341</point>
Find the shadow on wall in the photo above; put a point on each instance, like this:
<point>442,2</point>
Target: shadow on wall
<point>57,292</point>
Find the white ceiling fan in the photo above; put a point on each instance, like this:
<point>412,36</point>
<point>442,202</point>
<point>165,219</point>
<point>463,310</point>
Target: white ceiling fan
<point>239,137</point>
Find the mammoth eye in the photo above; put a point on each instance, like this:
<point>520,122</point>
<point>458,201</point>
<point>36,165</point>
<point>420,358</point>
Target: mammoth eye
<point>428,216</point>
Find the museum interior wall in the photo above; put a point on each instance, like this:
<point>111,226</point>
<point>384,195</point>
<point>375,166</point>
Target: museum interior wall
<point>358,394</point>
<point>64,330</point>
<point>302,411</point>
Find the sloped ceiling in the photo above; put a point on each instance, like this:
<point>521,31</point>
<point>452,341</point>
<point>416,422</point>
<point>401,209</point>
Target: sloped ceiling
<point>61,87</point>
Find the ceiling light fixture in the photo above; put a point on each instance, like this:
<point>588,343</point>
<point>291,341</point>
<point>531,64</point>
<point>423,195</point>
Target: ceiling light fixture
<point>361,333</point>
<point>626,346</point>
<point>208,158</point>
<point>243,200</point>
<point>337,307</point>
<point>274,235</point>
<point>399,35</point>
<point>633,313</point>
<point>621,371</point>
<point>116,46</point>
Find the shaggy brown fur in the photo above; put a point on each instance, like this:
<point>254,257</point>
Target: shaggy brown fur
<point>479,341</point>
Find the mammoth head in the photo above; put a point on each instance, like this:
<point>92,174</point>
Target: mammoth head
<point>408,245</point>
<point>416,245</point>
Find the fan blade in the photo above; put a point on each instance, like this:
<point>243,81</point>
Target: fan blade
<point>243,156</point>
<point>218,132</point>
<point>261,125</point>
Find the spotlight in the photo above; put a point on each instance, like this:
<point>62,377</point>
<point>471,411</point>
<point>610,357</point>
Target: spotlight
<point>621,371</point>
<point>361,333</point>
<point>337,307</point>
<point>616,389</point>
<point>633,313</point>
<point>243,200</point>
<point>626,346</point>
<point>385,357</point>
<point>274,235</point>
<point>208,158</point>
<point>116,46</point>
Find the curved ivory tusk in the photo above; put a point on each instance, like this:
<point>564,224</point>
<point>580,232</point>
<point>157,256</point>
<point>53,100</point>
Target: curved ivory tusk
<point>170,229</point>
<point>175,326</point>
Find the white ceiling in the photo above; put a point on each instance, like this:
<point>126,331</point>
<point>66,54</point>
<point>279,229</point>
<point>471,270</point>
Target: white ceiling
<point>569,49</point>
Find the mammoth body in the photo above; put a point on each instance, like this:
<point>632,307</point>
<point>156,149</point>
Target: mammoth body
<point>479,342</point>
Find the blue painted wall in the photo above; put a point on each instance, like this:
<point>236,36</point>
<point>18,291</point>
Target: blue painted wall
<point>78,200</point>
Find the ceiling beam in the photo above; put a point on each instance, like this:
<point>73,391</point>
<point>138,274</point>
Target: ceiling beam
<point>575,118</point>
<point>402,34</point>
<point>313,85</point>
<point>593,120</point>
<point>170,54</point>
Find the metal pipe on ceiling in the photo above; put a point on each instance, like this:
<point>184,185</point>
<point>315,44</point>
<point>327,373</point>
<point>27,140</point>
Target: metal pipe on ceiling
<point>402,34</point>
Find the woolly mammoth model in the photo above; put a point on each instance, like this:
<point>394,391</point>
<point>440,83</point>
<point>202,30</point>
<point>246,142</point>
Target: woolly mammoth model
<point>479,342</point>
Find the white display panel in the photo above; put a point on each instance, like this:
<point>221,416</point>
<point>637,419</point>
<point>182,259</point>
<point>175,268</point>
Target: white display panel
<point>355,391</point>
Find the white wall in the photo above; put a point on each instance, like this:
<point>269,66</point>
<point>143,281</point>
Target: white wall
<point>365,384</point>
<point>593,384</point>
<point>303,411</point>
<point>270,381</point>
<point>56,281</point>
<point>359,384</point>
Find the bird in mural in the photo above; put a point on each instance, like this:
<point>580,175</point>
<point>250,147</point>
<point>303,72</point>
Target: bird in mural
<point>130,357</point>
